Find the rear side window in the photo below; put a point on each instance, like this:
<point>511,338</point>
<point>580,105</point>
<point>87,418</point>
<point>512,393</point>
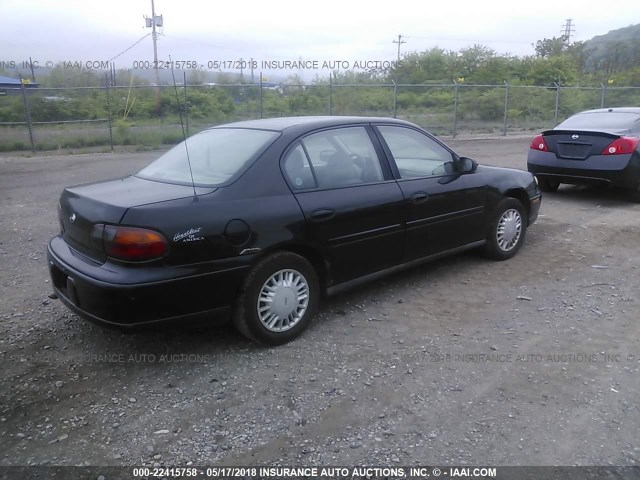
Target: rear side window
<point>342,157</point>
<point>298,170</point>
<point>601,121</point>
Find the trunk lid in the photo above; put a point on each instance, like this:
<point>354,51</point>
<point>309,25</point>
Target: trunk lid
<point>579,144</point>
<point>84,206</point>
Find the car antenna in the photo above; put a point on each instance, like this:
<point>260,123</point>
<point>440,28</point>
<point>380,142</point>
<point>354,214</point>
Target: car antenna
<point>184,135</point>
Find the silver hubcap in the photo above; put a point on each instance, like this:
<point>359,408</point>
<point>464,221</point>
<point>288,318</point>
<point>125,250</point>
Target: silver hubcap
<point>509,229</point>
<point>283,300</point>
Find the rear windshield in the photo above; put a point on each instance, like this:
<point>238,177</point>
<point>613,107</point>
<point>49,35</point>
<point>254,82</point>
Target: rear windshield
<point>600,121</point>
<point>217,156</point>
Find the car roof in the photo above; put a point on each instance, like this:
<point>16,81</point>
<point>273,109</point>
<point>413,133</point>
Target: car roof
<point>611,120</point>
<point>309,122</point>
<point>635,110</point>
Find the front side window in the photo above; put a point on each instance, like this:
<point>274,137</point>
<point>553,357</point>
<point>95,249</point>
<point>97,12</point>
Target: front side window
<point>341,157</point>
<point>415,154</point>
<point>216,156</point>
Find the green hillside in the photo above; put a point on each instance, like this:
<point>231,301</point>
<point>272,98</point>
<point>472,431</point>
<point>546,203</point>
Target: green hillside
<point>615,51</point>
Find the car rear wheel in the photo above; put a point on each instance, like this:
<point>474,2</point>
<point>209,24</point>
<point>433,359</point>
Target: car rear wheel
<point>507,230</point>
<point>548,185</point>
<point>278,299</point>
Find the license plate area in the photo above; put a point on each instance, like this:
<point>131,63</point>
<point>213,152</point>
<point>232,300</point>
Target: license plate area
<point>574,151</point>
<point>64,284</point>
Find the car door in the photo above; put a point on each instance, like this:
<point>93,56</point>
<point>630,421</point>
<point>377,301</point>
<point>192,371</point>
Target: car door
<point>444,208</point>
<point>351,203</point>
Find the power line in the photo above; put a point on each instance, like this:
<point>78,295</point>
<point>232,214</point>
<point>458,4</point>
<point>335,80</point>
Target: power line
<point>129,48</point>
<point>474,40</point>
<point>196,42</point>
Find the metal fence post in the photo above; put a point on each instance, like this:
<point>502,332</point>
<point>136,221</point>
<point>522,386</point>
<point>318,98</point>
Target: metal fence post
<point>109,120</point>
<point>555,114</point>
<point>603,95</point>
<point>186,104</point>
<point>27,116</point>
<point>395,98</point>
<point>506,108</point>
<point>330,94</point>
<point>455,110</point>
<point>261,96</point>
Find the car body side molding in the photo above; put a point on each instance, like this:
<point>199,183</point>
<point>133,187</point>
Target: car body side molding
<point>335,289</point>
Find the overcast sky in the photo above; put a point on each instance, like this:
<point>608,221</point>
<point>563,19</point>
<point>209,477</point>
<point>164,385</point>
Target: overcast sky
<point>348,31</point>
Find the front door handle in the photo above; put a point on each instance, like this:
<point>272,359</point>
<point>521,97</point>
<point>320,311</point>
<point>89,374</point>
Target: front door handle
<point>322,215</point>
<point>419,197</point>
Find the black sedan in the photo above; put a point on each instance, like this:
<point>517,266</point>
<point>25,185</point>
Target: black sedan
<point>593,147</point>
<point>261,218</point>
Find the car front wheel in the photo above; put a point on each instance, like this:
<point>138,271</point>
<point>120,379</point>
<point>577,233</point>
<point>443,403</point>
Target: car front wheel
<point>278,299</point>
<point>506,231</point>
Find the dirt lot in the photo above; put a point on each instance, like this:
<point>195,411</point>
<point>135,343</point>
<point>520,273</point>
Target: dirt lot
<point>533,361</point>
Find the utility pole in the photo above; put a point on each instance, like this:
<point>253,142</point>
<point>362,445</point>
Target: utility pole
<point>395,81</point>
<point>568,30</point>
<point>399,42</point>
<point>153,22</point>
<point>251,64</point>
<point>33,76</point>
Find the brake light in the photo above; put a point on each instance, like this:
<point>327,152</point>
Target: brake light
<point>621,145</point>
<point>133,244</point>
<point>538,143</point>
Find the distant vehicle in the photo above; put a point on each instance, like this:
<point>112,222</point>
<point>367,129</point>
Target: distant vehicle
<point>263,217</point>
<point>592,147</point>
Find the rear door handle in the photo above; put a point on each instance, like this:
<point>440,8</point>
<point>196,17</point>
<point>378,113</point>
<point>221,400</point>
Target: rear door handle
<point>322,215</point>
<point>419,197</point>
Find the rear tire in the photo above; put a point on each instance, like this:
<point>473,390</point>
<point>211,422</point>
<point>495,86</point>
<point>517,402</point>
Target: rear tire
<point>278,299</point>
<point>506,231</point>
<point>548,185</point>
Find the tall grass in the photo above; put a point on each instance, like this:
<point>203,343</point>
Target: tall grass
<point>88,135</point>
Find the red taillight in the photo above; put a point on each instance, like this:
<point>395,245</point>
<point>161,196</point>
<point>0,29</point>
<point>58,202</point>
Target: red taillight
<point>538,143</point>
<point>621,145</point>
<point>133,244</point>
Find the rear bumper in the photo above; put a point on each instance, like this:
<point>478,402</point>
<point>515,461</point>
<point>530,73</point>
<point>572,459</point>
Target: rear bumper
<point>618,170</point>
<point>167,295</point>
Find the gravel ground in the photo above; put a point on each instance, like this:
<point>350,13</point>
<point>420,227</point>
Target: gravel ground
<point>533,361</point>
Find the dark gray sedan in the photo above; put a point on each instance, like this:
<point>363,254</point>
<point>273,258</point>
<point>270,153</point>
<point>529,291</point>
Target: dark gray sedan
<point>592,147</point>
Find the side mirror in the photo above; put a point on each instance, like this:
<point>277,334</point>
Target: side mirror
<point>468,165</point>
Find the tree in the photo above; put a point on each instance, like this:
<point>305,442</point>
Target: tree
<point>617,58</point>
<point>547,71</point>
<point>473,58</point>
<point>68,75</point>
<point>551,47</point>
<point>579,53</point>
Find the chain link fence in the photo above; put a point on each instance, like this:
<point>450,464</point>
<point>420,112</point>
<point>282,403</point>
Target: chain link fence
<point>143,116</point>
